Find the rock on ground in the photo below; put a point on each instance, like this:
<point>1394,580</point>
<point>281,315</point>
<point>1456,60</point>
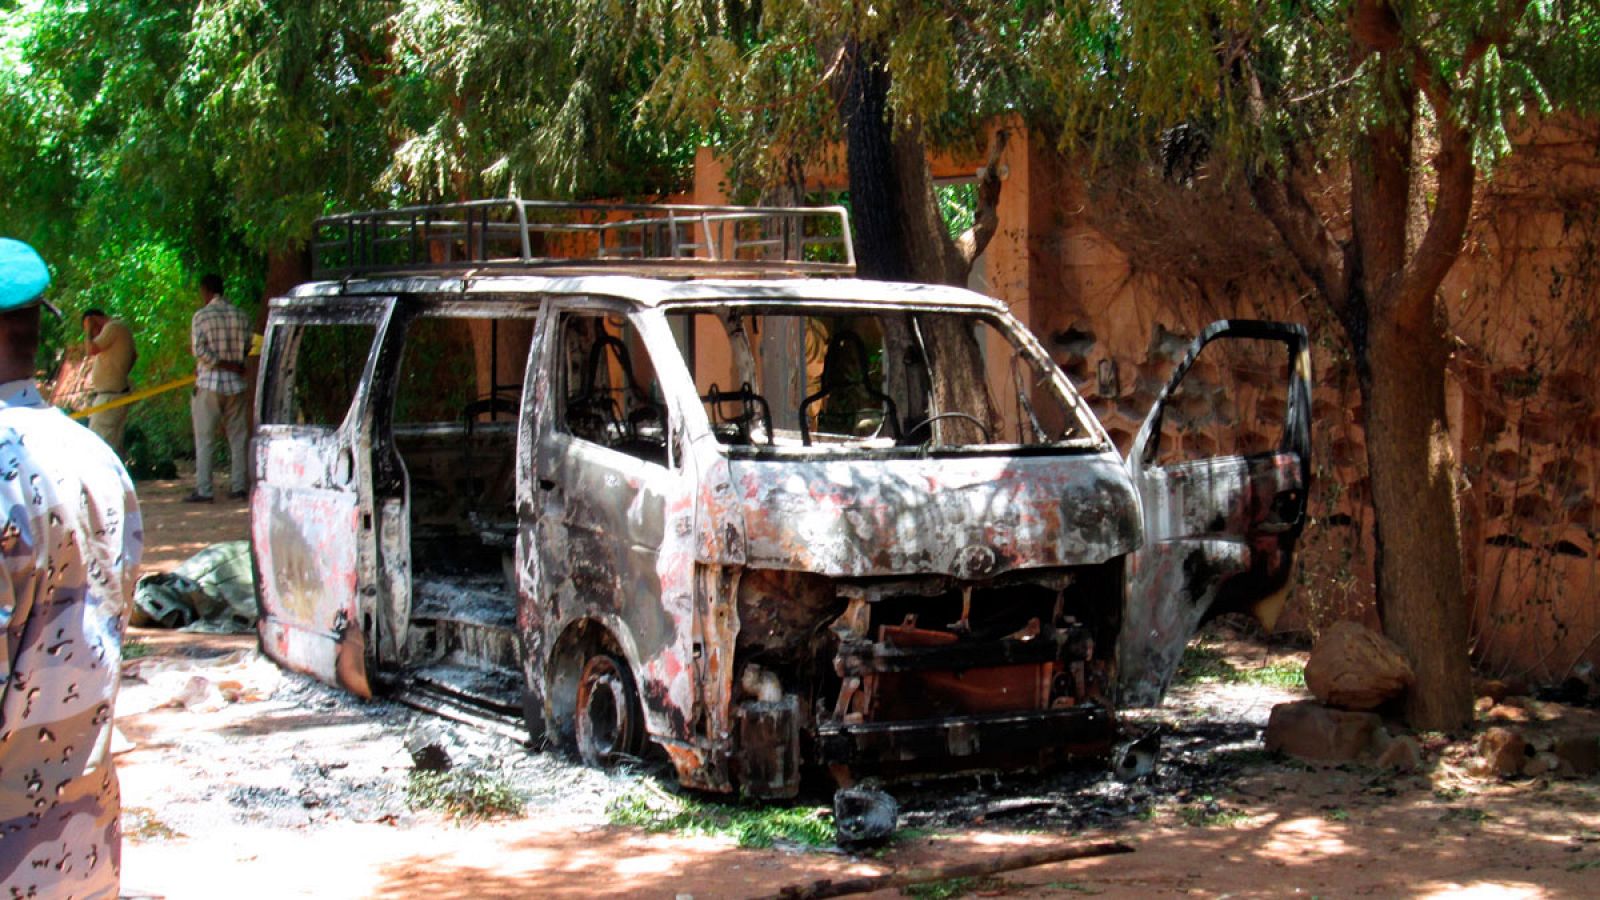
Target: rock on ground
<point>1403,754</point>
<point>1581,752</point>
<point>1311,731</point>
<point>1353,667</point>
<point>1501,752</point>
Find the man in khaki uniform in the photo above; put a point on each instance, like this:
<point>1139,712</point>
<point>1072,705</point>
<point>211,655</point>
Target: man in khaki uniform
<point>70,541</point>
<point>112,354</point>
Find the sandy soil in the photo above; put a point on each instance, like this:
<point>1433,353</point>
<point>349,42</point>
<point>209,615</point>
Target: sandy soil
<point>245,782</point>
<point>175,531</point>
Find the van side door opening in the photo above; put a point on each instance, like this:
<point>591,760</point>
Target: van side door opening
<point>447,485</point>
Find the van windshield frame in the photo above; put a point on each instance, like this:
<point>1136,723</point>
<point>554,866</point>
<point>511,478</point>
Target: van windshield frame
<point>871,382</point>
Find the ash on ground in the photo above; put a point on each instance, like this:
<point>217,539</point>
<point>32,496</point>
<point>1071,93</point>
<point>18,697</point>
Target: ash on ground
<point>245,743</point>
<point>1208,735</point>
<point>254,745</point>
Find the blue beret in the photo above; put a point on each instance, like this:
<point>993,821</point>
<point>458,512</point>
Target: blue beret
<point>23,276</point>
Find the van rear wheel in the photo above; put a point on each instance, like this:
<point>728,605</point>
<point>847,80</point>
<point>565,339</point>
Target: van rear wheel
<point>610,722</point>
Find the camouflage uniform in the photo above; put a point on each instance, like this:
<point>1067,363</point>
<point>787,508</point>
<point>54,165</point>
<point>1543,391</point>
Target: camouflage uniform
<point>70,540</point>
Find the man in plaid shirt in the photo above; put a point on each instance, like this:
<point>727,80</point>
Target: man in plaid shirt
<point>220,339</point>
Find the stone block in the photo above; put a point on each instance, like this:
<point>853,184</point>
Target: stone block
<point>1308,730</point>
<point>1353,667</point>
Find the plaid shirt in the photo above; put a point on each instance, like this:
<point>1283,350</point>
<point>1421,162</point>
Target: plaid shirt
<point>219,333</point>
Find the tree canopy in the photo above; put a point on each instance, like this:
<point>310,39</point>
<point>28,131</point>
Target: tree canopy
<point>148,140</point>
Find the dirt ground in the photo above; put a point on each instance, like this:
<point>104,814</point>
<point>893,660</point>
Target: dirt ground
<point>239,780</point>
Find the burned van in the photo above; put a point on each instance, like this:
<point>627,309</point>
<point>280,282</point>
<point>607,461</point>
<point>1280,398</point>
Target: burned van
<point>670,476</point>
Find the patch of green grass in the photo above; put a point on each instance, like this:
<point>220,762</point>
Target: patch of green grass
<point>1289,674</point>
<point>1466,814</point>
<point>1203,664</point>
<point>749,825</point>
<point>1207,814</point>
<point>951,887</point>
<point>1584,866</point>
<point>464,794</point>
<point>136,650</point>
<point>1449,794</point>
<point>141,824</point>
<point>1336,815</point>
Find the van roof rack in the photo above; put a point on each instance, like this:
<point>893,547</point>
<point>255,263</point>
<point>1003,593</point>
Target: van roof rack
<point>656,239</point>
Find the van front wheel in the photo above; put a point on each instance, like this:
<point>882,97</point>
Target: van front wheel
<point>610,722</point>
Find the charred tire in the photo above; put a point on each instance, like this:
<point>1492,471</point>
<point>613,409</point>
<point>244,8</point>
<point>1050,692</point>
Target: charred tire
<point>610,721</point>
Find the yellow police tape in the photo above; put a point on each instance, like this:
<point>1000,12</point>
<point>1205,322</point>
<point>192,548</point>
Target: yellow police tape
<point>147,393</point>
<point>136,396</point>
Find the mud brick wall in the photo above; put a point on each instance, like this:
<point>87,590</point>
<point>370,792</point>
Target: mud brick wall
<point>1524,300</point>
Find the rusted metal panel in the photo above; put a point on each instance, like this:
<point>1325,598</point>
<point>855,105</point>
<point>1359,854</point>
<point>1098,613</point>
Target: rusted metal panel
<point>964,517</point>
<point>1026,740</point>
<point>312,520</point>
<point>766,742</point>
<point>311,617</point>
<point>394,555</point>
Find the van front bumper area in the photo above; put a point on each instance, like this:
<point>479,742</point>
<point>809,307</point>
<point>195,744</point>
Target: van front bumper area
<point>951,744</point>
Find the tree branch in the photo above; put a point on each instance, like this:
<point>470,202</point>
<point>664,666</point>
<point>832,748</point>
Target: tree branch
<point>1447,227</point>
<point>1303,231</point>
<point>986,222</point>
<point>1452,211</point>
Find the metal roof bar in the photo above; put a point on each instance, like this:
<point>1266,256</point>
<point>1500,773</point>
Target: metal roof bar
<point>542,233</point>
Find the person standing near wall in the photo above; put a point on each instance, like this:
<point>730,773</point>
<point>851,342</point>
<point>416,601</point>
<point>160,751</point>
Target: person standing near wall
<point>70,542</point>
<point>112,355</point>
<point>220,339</point>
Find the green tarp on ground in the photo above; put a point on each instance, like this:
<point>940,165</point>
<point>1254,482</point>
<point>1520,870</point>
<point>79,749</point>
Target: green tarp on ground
<point>213,591</point>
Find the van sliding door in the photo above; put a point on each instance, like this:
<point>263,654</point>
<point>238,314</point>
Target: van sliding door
<point>311,512</point>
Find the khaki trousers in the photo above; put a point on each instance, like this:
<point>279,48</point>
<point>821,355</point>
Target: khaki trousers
<point>111,423</point>
<point>209,409</point>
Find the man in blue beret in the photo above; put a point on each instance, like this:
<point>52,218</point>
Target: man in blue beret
<point>70,541</point>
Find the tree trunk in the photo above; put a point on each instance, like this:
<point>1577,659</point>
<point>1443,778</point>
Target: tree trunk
<point>1384,291</point>
<point>900,236</point>
<point>1411,462</point>
<point>877,207</point>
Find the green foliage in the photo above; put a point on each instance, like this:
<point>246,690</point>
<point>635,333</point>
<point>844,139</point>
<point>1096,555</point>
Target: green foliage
<point>763,82</point>
<point>1121,75</point>
<point>1207,813</point>
<point>150,141</point>
<point>756,825</point>
<point>464,794</point>
<point>1202,663</point>
<point>136,650</point>
<point>958,206</point>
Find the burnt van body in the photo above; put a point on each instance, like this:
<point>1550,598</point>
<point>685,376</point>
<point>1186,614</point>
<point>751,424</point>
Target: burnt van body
<point>636,500</point>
